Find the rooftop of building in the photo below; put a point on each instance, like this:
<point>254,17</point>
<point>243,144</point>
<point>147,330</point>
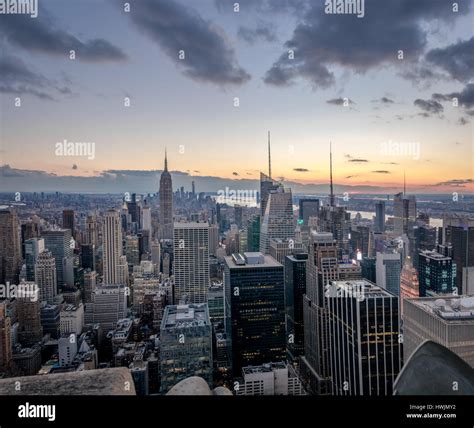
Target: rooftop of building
<point>249,260</point>
<point>362,287</point>
<point>191,225</point>
<point>182,316</point>
<point>264,368</point>
<point>448,308</point>
<point>432,254</point>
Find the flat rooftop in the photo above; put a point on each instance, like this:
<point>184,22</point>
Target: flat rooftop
<point>182,316</point>
<point>191,225</point>
<point>266,261</point>
<point>264,368</point>
<point>366,288</point>
<point>449,308</point>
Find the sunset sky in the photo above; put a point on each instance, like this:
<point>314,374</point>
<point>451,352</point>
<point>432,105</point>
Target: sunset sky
<point>188,107</point>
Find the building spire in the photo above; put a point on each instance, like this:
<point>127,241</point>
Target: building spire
<point>331,194</point>
<point>269,157</point>
<point>166,161</point>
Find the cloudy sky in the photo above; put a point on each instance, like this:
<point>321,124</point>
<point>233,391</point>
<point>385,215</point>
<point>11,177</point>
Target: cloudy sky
<point>380,88</point>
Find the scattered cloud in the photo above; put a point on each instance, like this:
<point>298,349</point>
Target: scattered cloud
<point>340,101</point>
<point>300,169</point>
<point>456,182</point>
<point>429,106</point>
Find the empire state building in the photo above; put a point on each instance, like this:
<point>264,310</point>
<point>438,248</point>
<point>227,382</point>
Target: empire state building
<point>166,203</point>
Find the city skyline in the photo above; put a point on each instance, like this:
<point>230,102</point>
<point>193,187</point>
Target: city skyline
<point>188,105</point>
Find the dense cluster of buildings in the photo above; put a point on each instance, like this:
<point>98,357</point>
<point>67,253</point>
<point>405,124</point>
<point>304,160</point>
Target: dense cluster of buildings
<point>291,296</point>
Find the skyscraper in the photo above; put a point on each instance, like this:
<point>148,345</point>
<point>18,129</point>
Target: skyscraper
<point>379,225</point>
<point>166,203</point>
<point>28,311</point>
<point>45,277</point>
<point>91,231</point>
<point>278,221</point>
<point>10,249</point>
<point>191,262</point>
<point>254,309</point>
<point>112,247</point>
<point>58,241</point>
<point>458,230</point>
<point>448,321</point>
<point>295,288</point>
<point>280,248</point>
<point>33,248</point>
<point>322,268</point>
<point>364,328</point>
<point>404,214</point>
<point>388,267</point>
<point>253,234</point>
<point>186,345</point>
<point>437,273</point>
<point>308,208</point>
<point>69,221</point>
<point>109,304</point>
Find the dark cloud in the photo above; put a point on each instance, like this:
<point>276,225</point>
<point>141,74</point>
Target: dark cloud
<point>235,173</point>
<point>457,59</point>
<point>429,106</point>
<point>358,160</point>
<point>465,97</point>
<point>263,31</point>
<point>43,35</point>
<point>339,101</point>
<point>18,79</point>
<point>300,169</point>
<point>321,41</point>
<point>174,27</point>
<point>456,182</point>
<point>384,100</point>
<point>381,171</point>
<point>390,163</point>
<point>351,176</point>
<point>463,121</point>
<point>74,166</point>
